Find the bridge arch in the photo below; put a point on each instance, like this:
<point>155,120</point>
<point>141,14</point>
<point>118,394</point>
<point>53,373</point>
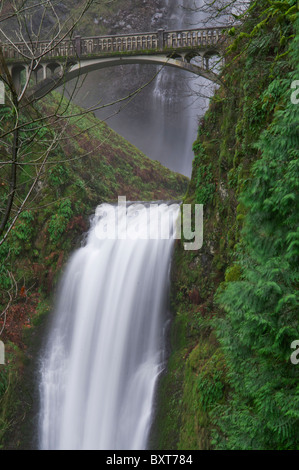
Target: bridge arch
<point>52,68</point>
<point>39,73</point>
<point>202,58</point>
<point>86,66</point>
<point>212,60</point>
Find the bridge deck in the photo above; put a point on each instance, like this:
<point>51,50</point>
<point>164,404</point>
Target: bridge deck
<point>151,42</point>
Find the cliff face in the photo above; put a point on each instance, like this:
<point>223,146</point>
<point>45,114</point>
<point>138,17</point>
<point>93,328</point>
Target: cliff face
<point>123,16</point>
<point>230,383</point>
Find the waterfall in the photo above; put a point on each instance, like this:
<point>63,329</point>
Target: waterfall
<point>182,96</point>
<point>105,349</point>
<point>162,120</point>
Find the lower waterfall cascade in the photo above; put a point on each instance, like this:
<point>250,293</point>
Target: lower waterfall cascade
<point>106,348</point>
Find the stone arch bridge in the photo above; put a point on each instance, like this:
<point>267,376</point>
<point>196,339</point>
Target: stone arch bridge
<point>48,65</point>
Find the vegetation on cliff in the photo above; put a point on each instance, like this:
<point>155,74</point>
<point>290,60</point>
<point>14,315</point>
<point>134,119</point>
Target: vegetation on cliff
<point>230,382</point>
<point>92,164</point>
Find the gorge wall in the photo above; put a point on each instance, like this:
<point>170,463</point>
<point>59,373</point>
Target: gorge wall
<point>230,383</point>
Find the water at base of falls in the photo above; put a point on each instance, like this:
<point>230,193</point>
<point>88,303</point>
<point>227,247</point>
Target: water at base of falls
<point>105,349</point>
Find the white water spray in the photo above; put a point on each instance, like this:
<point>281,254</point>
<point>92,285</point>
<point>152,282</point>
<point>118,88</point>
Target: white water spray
<point>105,349</point>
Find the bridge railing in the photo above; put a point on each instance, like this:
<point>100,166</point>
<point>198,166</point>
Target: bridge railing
<point>118,43</point>
<point>193,37</point>
<point>21,50</point>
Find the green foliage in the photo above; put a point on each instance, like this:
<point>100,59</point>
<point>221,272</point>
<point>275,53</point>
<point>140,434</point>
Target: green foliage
<point>9,380</point>
<point>58,175</point>
<point>210,389</point>
<point>3,381</point>
<point>240,391</point>
<point>204,384</point>
<point>282,13</point>
<point>261,318</point>
<point>232,273</point>
<point>59,221</point>
<point>5,281</point>
<point>25,227</point>
<point>205,184</point>
<point>21,238</point>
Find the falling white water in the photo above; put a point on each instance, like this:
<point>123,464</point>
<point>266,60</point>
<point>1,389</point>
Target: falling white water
<point>182,96</point>
<point>105,350</point>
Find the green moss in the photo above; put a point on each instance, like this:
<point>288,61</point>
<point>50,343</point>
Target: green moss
<point>9,382</point>
<point>165,431</point>
<point>233,273</point>
<point>244,111</point>
<point>203,387</point>
<point>42,310</point>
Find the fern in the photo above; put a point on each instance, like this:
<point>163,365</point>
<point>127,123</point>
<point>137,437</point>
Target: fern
<point>261,309</point>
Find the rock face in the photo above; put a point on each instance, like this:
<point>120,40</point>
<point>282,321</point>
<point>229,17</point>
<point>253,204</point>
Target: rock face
<point>99,19</point>
<point>226,364</point>
<point>129,16</point>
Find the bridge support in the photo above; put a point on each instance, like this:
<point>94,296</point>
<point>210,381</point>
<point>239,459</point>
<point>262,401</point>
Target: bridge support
<point>78,45</point>
<point>161,39</point>
<point>19,74</point>
<point>52,69</point>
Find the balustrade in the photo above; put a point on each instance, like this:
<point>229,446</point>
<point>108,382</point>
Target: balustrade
<point>118,43</point>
